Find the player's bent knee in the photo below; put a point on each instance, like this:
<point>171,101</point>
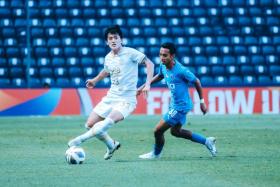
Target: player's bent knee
<point>175,133</point>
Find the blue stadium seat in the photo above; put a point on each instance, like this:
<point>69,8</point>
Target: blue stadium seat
<point>161,22</point>
<point>60,72</point>
<point>138,41</point>
<point>257,59</point>
<point>89,72</point>
<point>223,40</point>
<point>33,72</point>
<point>73,4</point>
<point>203,70</point>
<point>99,51</point>
<point>16,72</point>
<point>195,41</point>
<point>87,61</point>
<point>75,72</point>
<point>240,50</point>
<point>145,12</point>
<point>35,83</point>
<point>77,22</point>
<point>274,70</point>
<point>221,80</point>
<point>264,80</point>
<point>272,21</point>
<point>62,83</point>
<point>82,42</point>
<point>49,23</point>
<point>4,72</point>
<point>53,42</point>
<point>100,3</point>
<point>77,82</point>
<point>268,50</point>
<point>70,51</point>
<point>177,31</point>
<point>172,12</point>
<point>65,32</point>
<point>249,80</point>
<point>72,61</point>
<point>49,81</point>
<point>41,52</point>
<point>61,12</point>
<point>4,82</point>
<point>218,70</point>
<point>8,32</point>
<point>206,30</point>
<point>235,80</point>
<point>105,22</point>
<point>199,12</point>
<point>46,72</point>
<point>212,50</point>
<point>246,70</point>
<point>3,62</point>
<point>12,52</point>
<point>183,50</point>
<point>18,82</point>
<point>44,4</point>
<point>58,62</point>
<point>85,51</point>
<point>276,80</point>
<point>207,81</point>
<point>150,31</point>
<point>200,60</point>
<point>89,12</point>
<point>43,62</point>
<point>232,70</point>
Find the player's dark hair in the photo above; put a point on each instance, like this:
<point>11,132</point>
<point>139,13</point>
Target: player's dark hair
<point>170,46</point>
<point>113,30</point>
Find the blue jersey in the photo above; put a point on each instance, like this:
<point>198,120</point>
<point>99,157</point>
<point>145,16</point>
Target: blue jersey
<point>177,80</point>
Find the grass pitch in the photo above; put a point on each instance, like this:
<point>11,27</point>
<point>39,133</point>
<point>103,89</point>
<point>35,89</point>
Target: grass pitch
<point>32,153</point>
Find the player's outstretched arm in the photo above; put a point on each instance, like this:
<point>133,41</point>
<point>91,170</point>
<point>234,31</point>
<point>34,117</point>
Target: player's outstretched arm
<point>150,73</point>
<point>90,83</point>
<point>200,94</point>
<point>155,79</point>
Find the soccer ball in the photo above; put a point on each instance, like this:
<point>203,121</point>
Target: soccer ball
<point>75,155</point>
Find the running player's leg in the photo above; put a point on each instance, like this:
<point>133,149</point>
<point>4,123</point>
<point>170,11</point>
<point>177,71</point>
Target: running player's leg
<point>97,115</point>
<point>160,128</point>
<point>120,111</point>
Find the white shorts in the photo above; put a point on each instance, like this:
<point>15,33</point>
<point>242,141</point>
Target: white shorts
<point>106,105</point>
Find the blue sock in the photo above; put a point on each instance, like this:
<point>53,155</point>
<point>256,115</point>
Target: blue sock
<point>157,149</point>
<point>198,138</point>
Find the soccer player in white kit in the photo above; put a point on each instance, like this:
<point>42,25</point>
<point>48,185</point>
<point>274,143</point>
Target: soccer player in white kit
<point>121,63</point>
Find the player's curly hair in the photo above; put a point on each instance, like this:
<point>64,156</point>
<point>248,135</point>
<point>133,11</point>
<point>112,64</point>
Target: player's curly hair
<point>170,46</point>
<point>113,30</point>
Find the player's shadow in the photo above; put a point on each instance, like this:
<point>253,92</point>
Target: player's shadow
<point>181,158</point>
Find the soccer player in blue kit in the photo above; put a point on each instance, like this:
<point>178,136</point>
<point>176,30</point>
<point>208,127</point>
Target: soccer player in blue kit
<point>177,78</point>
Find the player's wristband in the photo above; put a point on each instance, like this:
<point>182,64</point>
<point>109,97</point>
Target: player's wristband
<point>201,101</point>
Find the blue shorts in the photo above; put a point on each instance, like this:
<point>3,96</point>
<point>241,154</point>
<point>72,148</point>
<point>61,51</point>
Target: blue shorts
<point>174,117</point>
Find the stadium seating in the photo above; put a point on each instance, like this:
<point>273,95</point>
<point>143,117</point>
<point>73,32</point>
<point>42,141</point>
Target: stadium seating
<point>225,43</point>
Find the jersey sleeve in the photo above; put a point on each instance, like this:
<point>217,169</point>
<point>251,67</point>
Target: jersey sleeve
<point>137,56</point>
<point>189,76</point>
<point>106,68</point>
<point>160,70</point>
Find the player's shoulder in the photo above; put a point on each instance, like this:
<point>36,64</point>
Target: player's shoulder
<point>130,50</point>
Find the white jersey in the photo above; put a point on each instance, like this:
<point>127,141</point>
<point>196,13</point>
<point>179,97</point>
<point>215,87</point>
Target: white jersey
<point>123,69</point>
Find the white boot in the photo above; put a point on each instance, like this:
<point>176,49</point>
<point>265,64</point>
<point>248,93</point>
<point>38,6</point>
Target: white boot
<point>210,144</point>
<point>110,152</point>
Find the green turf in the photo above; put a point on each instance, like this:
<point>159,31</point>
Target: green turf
<point>32,153</point>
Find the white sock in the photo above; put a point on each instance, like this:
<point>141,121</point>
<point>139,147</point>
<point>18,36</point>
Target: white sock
<point>104,137</point>
<point>98,129</point>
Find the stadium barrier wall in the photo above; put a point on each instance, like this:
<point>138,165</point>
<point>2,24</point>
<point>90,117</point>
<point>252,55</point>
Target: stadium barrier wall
<point>55,101</point>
